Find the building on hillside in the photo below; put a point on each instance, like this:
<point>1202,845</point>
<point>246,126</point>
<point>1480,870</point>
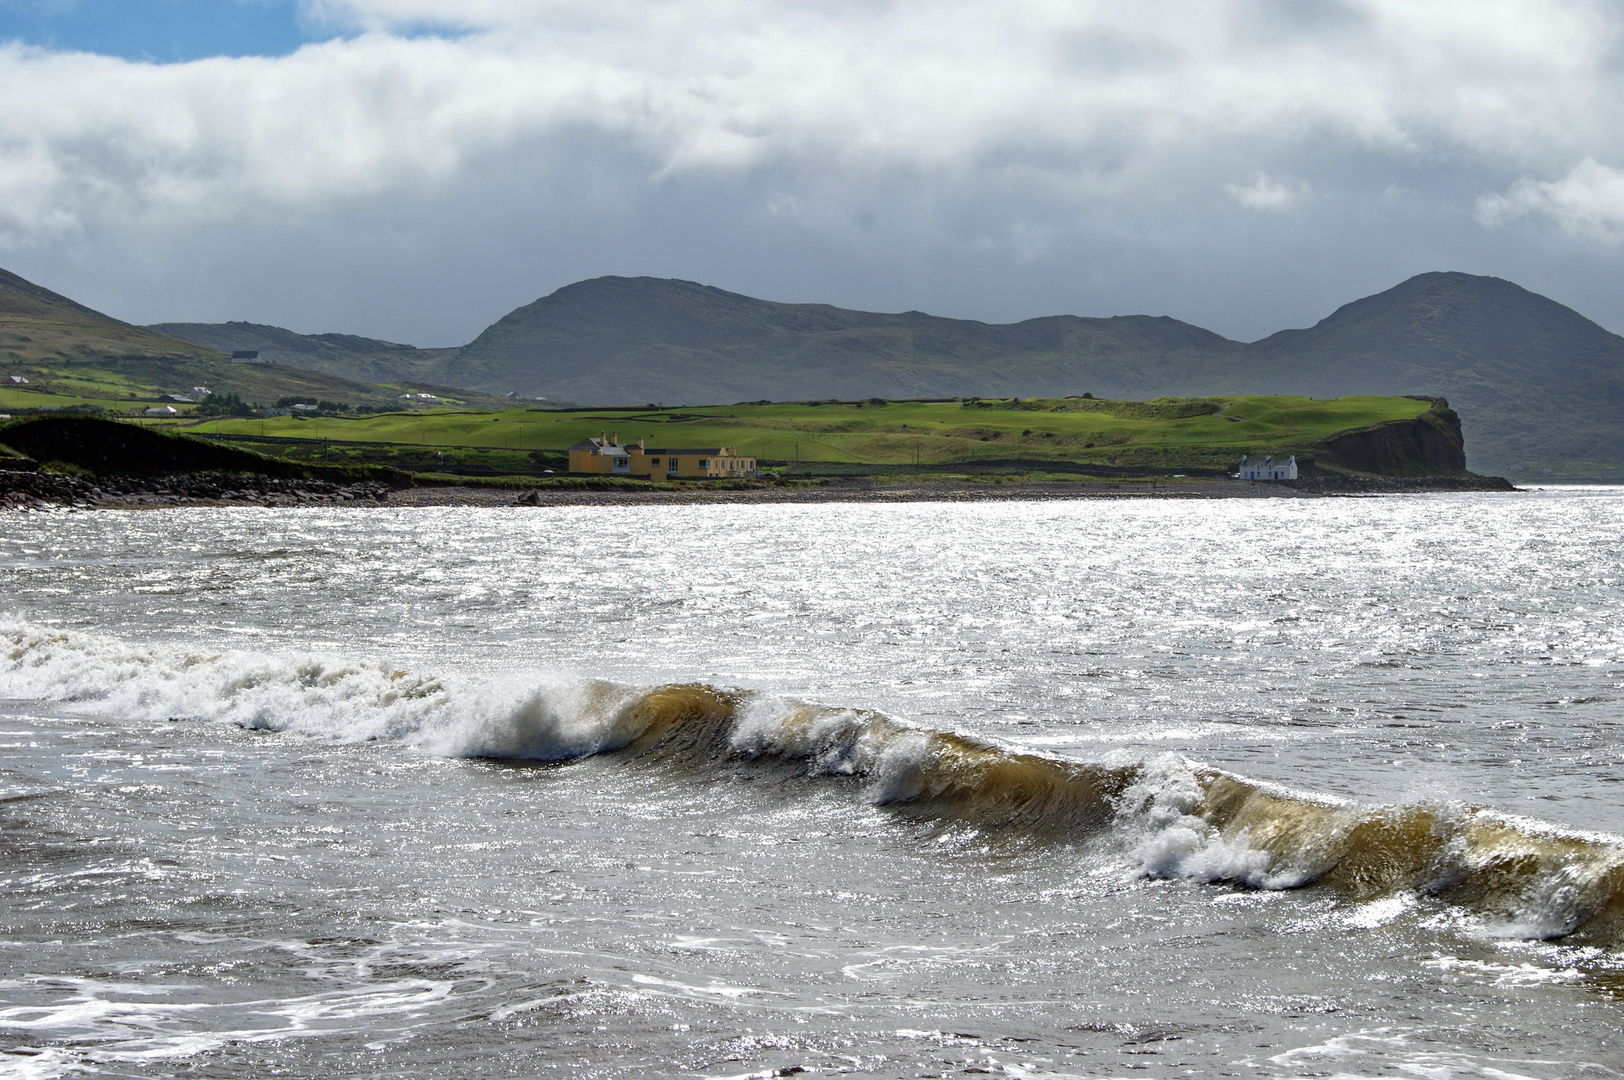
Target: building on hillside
<point>1268,468</point>
<point>16,380</point>
<point>608,455</point>
<point>161,410</point>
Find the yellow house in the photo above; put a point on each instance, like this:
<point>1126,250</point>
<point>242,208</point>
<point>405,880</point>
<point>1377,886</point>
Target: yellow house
<point>609,455</point>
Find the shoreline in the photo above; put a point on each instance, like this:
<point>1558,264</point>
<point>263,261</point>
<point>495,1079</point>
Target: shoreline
<point>26,491</point>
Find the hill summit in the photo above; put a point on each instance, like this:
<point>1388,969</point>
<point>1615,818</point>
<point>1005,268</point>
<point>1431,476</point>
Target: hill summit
<point>1539,387</point>
<point>617,340</point>
<point>38,324</point>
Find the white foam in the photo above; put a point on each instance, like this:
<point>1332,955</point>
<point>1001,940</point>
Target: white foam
<point>318,695</point>
<point>102,1026</point>
<point>1376,913</point>
<point>554,718</point>
<point>839,742</point>
<point>1168,839</point>
<point>1505,974</point>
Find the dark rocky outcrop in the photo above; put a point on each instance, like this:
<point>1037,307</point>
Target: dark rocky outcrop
<point>33,490</point>
<point>112,448</point>
<point>1429,445</point>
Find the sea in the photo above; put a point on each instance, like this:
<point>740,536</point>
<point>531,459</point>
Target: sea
<point>1140,788</point>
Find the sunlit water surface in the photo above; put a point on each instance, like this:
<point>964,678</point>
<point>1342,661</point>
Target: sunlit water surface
<point>249,827</point>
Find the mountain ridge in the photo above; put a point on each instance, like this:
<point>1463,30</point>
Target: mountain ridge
<point>1540,388</point>
<point>36,324</point>
<point>348,356</point>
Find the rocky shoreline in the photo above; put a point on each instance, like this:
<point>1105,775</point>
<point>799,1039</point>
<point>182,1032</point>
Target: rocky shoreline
<point>41,491</point>
<point>36,490</point>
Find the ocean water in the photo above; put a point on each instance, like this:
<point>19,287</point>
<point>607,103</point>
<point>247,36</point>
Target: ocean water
<point>1256,788</point>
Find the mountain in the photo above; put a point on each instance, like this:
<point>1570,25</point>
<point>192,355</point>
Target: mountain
<point>37,324</point>
<point>1539,387</point>
<point>619,340</point>
<point>345,355</point>
<point>71,354</point>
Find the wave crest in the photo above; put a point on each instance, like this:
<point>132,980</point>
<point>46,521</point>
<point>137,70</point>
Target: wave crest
<point>1173,817</point>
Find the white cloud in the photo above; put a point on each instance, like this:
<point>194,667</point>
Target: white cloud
<point>1267,192</point>
<point>1587,202</point>
<point>1081,103</point>
<point>1044,144</point>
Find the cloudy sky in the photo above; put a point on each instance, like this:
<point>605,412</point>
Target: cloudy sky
<point>413,169</point>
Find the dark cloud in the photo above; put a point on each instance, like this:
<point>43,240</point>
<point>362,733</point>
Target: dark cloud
<point>1245,166</point>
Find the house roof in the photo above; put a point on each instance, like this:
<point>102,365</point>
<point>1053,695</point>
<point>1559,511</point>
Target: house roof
<point>601,447</point>
<point>623,449</point>
<point>710,451</point>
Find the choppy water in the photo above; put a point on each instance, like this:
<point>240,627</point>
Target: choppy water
<point>1256,788</point>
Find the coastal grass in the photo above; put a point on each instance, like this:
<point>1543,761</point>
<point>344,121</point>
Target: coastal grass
<point>119,385</point>
<point>1167,433</point>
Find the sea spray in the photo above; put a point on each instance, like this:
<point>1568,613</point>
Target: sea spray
<point>1172,817</point>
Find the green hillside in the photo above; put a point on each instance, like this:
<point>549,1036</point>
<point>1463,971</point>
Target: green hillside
<point>120,384</point>
<point>38,325</point>
<point>1538,385</point>
<point>1168,434</point>
<point>344,355</point>
<point>1540,389</point>
<point>69,355</point>
<point>619,340</point>
<point>113,448</point>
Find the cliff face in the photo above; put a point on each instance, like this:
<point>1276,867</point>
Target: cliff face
<point>1429,445</point>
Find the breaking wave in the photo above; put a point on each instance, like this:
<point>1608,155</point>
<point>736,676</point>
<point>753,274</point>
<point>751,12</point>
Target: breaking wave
<point>1174,817</point>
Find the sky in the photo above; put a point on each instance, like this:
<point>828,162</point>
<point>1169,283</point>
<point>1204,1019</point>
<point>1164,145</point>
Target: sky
<point>414,169</point>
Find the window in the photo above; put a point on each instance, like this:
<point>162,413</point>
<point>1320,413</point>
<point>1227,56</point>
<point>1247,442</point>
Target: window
<point>653,461</point>
<point>704,463</point>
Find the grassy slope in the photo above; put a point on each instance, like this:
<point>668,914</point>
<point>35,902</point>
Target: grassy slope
<point>72,355</point>
<point>115,448</point>
<point>344,355</point>
<point>39,325</point>
<point>1537,385</point>
<point>1102,432</point>
<point>646,339</point>
<point>122,384</point>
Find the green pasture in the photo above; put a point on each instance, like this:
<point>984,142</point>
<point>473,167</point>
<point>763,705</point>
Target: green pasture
<point>1175,432</point>
<point>120,384</point>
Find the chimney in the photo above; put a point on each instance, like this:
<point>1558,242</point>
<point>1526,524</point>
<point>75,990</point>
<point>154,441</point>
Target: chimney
<point>640,445</point>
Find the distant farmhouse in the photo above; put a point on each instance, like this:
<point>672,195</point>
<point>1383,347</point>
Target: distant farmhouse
<point>1269,468</point>
<point>608,455</point>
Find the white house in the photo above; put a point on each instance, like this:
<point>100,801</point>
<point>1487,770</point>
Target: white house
<point>162,410</point>
<point>1268,468</point>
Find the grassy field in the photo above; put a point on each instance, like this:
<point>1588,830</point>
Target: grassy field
<point>122,384</point>
<point>1169,432</point>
